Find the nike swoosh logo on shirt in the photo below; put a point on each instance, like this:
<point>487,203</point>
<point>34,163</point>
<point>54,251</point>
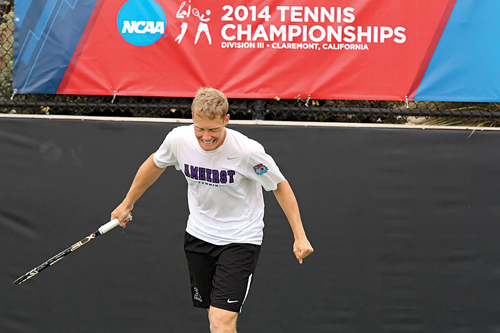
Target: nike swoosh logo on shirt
<point>231,158</point>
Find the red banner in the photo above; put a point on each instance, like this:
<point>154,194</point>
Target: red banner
<point>343,49</point>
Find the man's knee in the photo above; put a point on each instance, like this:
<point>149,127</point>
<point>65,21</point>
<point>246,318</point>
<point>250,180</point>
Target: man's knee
<point>222,320</point>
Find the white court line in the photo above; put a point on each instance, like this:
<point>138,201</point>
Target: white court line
<point>248,122</point>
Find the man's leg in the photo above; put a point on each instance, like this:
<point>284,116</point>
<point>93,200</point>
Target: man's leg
<point>222,321</point>
<point>233,277</point>
<point>201,270</point>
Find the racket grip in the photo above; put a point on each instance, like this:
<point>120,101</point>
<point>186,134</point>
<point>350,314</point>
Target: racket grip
<point>111,224</point>
<point>108,226</point>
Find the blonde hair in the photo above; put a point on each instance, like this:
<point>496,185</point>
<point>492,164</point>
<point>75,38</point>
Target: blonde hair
<point>210,103</point>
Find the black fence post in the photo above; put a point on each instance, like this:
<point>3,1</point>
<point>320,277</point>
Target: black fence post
<point>258,112</point>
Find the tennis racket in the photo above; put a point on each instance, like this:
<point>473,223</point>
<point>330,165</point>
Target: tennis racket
<point>102,230</point>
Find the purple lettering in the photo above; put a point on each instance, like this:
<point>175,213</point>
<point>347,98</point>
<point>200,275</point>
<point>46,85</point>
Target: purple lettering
<point>231,174</point>
<point>209,175</point>
<point>194,172</point>
<point>215,176</point>
<point>223,176</point>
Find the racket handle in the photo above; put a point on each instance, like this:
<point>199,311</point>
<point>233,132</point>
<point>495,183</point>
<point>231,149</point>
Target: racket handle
<point>111,224</point>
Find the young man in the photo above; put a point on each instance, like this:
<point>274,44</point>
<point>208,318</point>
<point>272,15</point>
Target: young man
<point>225,172</point>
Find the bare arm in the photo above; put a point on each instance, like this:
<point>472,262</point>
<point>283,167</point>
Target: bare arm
<point>147,174</point>
<point>286,199</point>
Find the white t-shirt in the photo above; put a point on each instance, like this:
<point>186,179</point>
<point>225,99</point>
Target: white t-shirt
<point>225,198</point>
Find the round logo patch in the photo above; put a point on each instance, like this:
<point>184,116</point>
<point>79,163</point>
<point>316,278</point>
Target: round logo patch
<point>141,22</point>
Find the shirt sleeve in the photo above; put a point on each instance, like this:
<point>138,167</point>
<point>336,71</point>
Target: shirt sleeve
<point>166,155</point>
<point>263,169</point>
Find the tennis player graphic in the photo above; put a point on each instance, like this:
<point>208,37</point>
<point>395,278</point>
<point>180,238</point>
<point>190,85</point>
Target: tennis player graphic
<point>203,26</point>
<point>184,13</point>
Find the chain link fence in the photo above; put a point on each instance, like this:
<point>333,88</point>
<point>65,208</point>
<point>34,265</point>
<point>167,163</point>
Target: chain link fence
<point>302,108</point>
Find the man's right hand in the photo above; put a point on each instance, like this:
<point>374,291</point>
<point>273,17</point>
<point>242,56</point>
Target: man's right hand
<point>121,213</point>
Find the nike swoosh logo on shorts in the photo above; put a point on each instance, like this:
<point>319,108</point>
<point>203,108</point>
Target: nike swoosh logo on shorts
<point>230,301</point>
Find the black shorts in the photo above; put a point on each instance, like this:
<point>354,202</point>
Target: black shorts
<point>220,275</point>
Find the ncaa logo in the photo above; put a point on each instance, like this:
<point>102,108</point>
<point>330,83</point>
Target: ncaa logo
<point>141,22</point>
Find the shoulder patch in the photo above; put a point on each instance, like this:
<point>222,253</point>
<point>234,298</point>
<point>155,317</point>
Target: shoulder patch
<point>260,169</point>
